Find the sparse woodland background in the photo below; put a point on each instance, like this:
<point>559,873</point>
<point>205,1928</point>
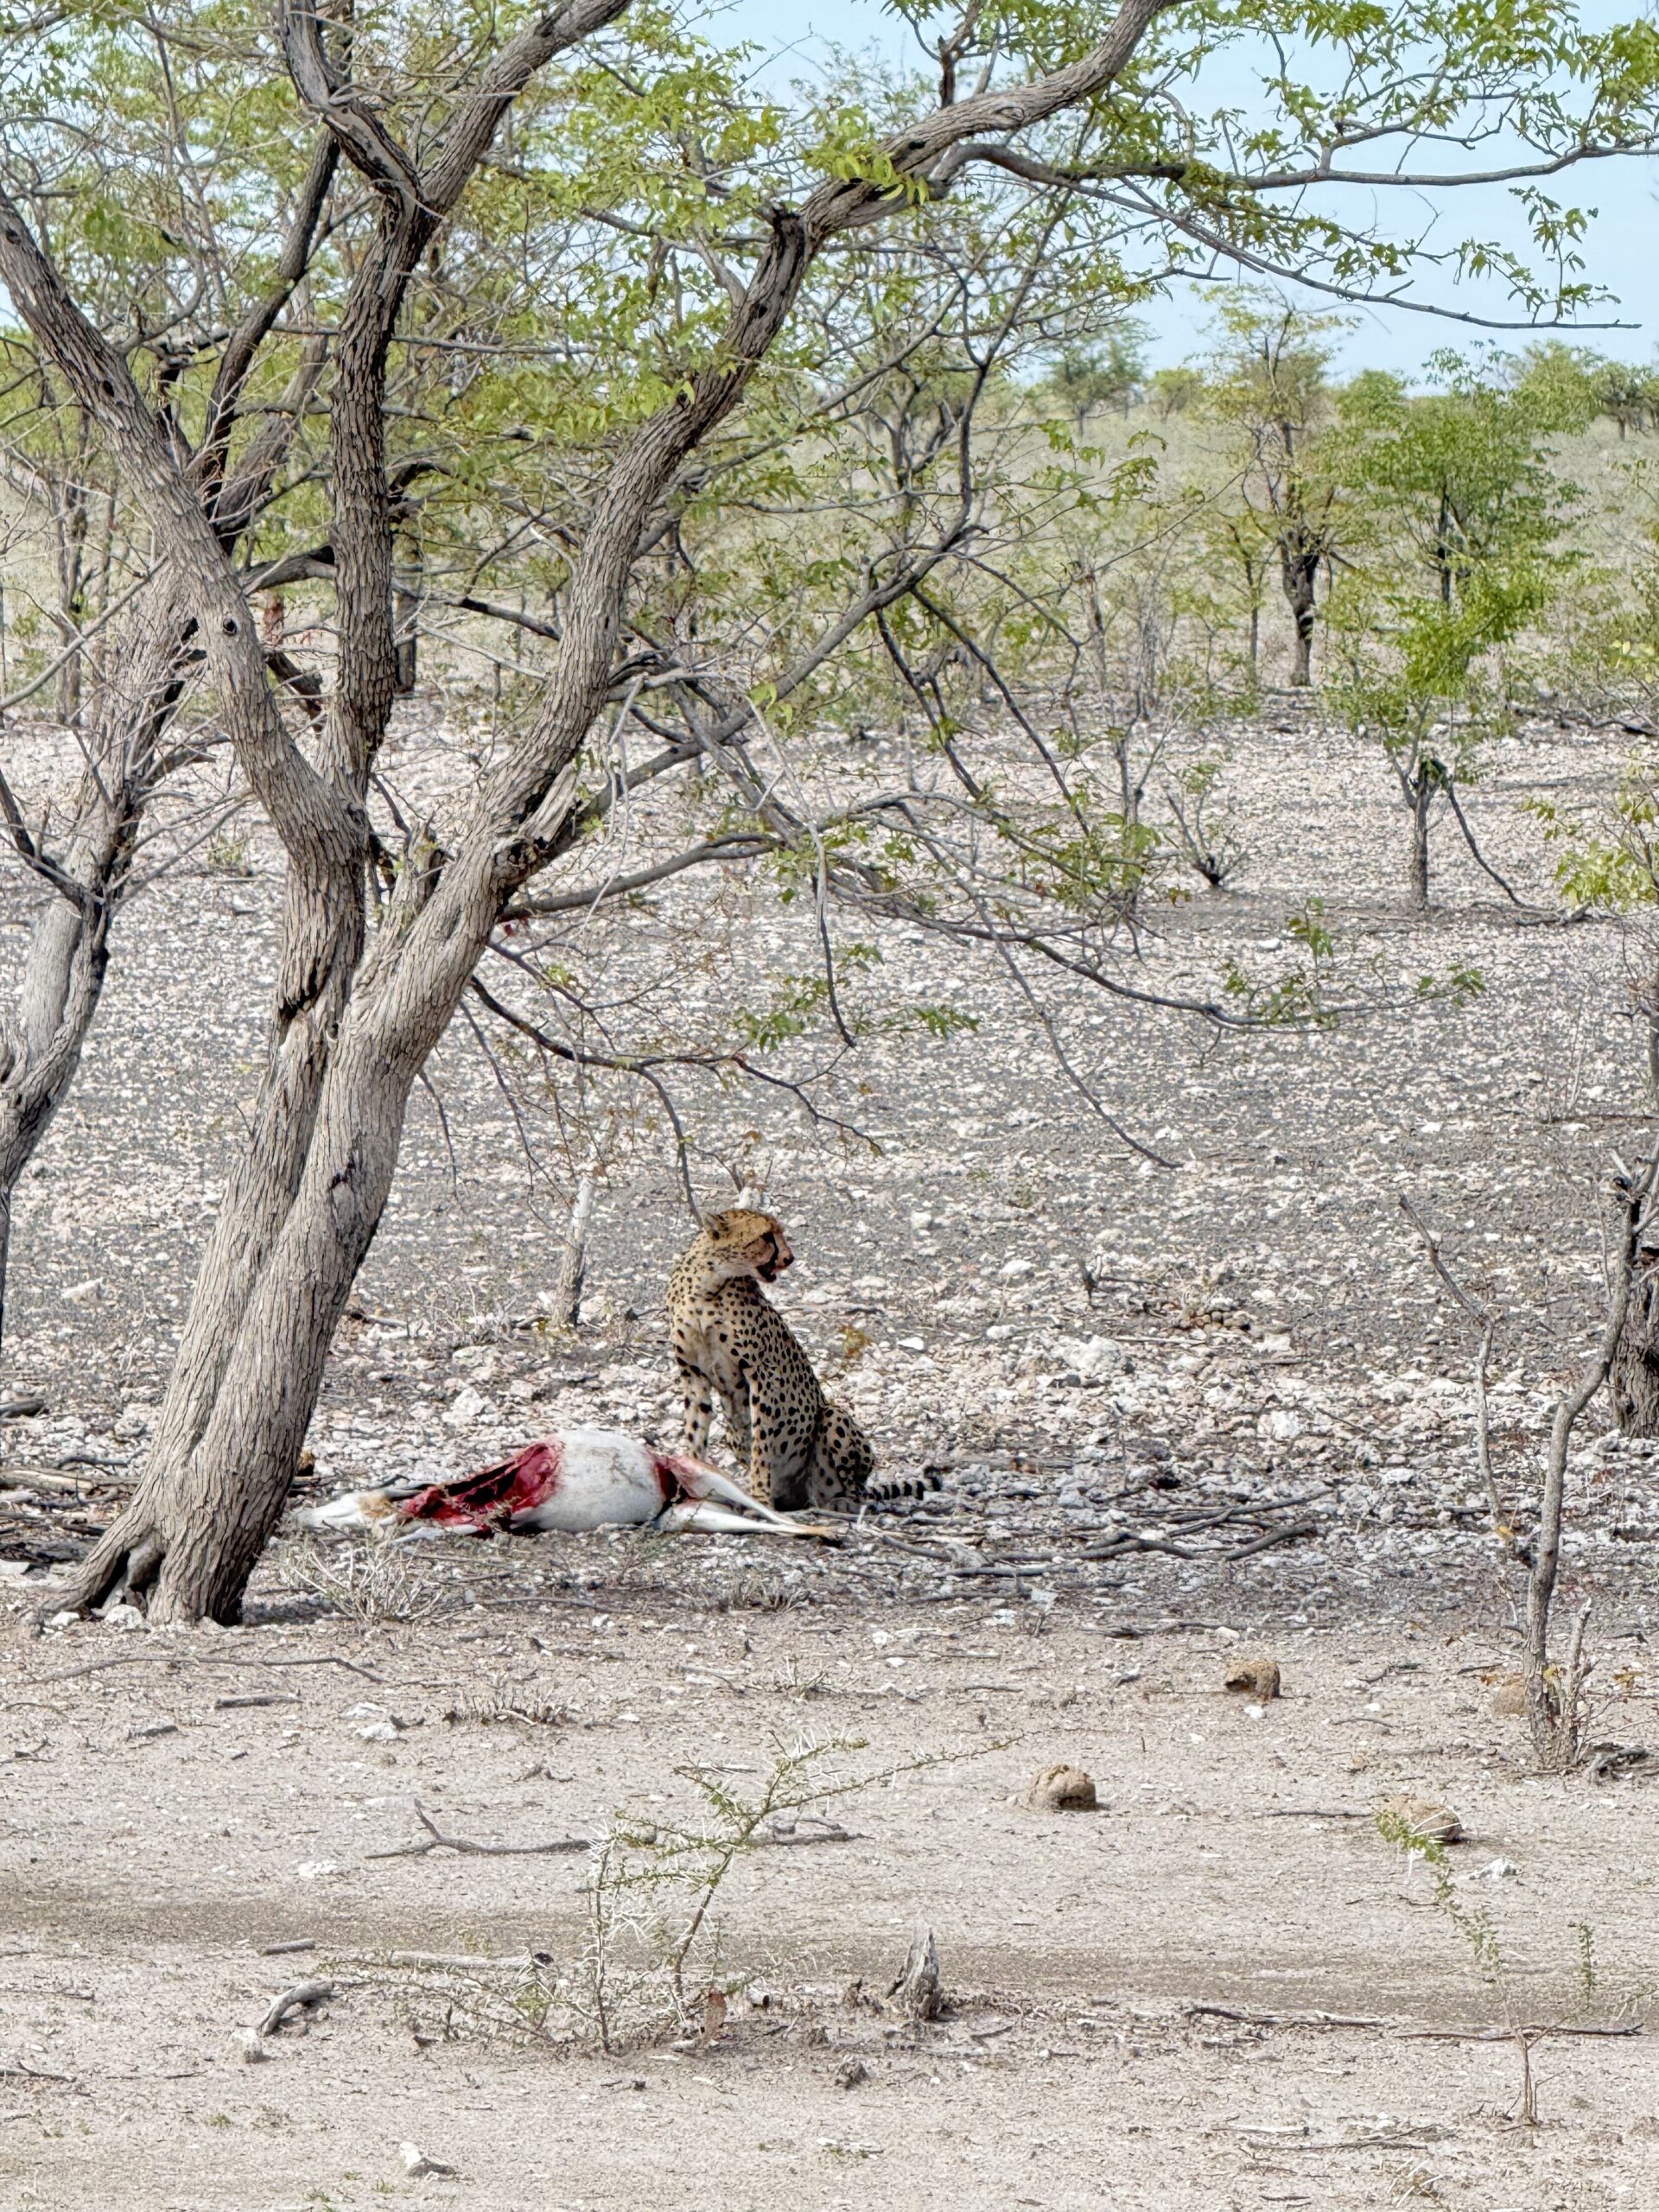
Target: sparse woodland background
<point>530,475</point>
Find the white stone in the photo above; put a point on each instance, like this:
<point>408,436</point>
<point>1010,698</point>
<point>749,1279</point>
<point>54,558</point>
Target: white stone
<point>1092,1357</point>
<point>467,1409</point>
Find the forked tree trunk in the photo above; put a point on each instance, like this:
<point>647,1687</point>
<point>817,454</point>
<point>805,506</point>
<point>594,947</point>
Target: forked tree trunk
<point>296,1225</point>
<point>68,956</point>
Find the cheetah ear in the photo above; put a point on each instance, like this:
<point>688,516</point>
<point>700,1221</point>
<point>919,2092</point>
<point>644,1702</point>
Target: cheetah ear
<point>716,1224</point>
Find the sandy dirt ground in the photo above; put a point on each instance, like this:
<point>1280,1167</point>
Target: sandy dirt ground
<point>1133,1994</point>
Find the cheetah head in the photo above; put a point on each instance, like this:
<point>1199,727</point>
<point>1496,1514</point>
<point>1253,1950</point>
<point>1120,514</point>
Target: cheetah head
<point>738,1242</point>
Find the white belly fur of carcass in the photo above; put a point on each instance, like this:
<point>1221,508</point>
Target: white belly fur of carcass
<point>606,1478</point>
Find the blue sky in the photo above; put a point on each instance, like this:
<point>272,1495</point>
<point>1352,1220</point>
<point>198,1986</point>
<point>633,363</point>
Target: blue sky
<point>1619,250</point>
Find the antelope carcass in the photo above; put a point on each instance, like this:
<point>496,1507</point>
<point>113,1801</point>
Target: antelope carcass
<point>573,1480</point>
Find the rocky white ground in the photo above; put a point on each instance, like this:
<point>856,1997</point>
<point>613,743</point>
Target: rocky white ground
<point>1176,1410</point>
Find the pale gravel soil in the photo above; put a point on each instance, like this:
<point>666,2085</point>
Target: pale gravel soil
<point>143,1875</point>
<point>148,1870</point>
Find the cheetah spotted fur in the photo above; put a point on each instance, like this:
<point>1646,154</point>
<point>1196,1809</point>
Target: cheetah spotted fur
<point>729,1341</point>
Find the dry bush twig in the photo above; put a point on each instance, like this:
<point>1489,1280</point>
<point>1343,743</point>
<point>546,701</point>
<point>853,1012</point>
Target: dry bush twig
<point>1555,1691</point>
<point>368,1583</point>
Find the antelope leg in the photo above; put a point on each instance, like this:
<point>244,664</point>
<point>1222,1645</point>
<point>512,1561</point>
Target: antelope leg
<point>724,1520</point>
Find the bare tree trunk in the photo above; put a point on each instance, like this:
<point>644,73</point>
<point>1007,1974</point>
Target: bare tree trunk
<point>1555,1692</point>
<point>1420,792</point>
<point>573,1265</point>
<point>294,1228</point>
<point>5,1253</point>
<point>201,1516</point>
<point>72,542</point>
<point>1299,572</point>
<point>136,696</point>
<point>1633,1381</point>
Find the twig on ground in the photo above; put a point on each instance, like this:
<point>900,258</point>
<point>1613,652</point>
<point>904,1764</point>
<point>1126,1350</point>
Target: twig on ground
<point>1290,1536</point>
<point>1535,2028</point>
<point>462,1962</point>
<point>806,1827</point>
<point>436,1839</point>
<point>127,1659</point>
<point>1283,2019</point>
<point>1311,1813</point>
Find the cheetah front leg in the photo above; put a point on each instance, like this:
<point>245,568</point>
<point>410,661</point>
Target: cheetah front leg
<point>739,1428</point>
<point>776,1467</point>
<point>697,1408</point>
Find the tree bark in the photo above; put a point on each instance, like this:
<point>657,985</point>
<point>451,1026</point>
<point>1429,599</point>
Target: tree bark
<point>1420,792</point>
<point>67,956</point>
<point>1633,1380</point>
<point>1298,571</point>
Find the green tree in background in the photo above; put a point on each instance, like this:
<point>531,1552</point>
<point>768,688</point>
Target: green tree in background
<point>1463,548</point>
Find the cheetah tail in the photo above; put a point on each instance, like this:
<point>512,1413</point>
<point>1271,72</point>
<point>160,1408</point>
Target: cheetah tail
<point>894,1490</point>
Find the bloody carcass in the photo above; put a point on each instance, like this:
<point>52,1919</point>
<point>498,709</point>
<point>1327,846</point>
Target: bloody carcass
<point>573,1480</point>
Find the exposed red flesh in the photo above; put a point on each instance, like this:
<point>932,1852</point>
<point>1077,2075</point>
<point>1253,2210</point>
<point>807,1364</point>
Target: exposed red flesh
<point>488,1500</point>
<point>677,1477</point>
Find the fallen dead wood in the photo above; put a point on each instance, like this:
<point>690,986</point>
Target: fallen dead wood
<point>460,1961</point>
<point>1404,2034</point>
<point>301,1998</point>
<point>1312,1813</point>
<point>127,1659</point>
<point>1290,1536</point>
<point>436,1839</point>
<point>203,1659</point>
<point>1282,2019</point>
<point>53,1479</point>
<point>1523,2028</point>
<point>254,1697</point>
<point>1424,2140</point>
<point>917,1992</point>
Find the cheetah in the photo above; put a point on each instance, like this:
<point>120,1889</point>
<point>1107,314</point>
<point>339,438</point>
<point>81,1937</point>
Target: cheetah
<point>728,1339</point>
